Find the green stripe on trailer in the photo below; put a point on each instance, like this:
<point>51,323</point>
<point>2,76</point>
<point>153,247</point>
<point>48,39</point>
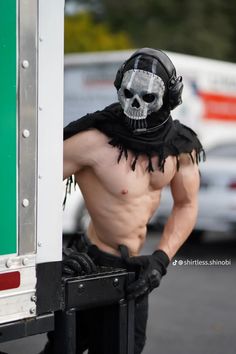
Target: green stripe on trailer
<point>8,127</point>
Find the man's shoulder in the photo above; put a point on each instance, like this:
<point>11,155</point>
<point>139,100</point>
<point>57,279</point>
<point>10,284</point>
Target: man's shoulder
<point>84,147</point>
<point>90,137</point>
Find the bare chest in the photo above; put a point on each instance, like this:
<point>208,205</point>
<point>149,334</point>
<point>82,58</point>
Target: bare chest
<point>119,178</point>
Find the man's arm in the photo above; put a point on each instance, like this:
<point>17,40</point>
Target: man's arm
<point>77,152</point>
<point>184,188</point>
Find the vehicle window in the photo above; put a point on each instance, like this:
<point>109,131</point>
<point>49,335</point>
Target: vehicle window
<point>227,151</point>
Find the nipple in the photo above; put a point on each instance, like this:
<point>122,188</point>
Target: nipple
<point>124,191</point>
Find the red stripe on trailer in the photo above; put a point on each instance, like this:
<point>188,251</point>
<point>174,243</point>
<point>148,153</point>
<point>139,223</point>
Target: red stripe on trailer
<point>219,106</point>
<point>9,280</point>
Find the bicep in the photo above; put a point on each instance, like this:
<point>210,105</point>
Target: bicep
<point>185,184</point>
<point>70,165</point>
<point>69,168</point>
<point>73,152</point>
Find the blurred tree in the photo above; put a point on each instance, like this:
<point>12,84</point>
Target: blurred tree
<point>82,34</point>
<point>200,27</point>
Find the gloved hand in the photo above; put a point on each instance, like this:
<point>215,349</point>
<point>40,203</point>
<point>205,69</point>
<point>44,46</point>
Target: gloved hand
<point>77,263</point>
<point>149,269</point>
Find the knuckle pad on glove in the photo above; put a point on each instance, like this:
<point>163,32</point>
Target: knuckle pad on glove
<point>68,271</point>
<point>84,264</point>
<point>141,292</point>
<point>90,263</point>
<point>154,278</point>
<point>76,266</point>
<point>79,263</point>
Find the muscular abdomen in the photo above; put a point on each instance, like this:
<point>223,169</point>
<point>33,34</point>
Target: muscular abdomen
<point>120,216</point>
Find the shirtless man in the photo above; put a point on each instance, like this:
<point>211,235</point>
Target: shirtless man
<point>121,201</point>
<point>121,158</point>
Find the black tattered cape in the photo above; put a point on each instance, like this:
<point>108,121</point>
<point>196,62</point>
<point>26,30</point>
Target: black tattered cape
<point>173,138</point>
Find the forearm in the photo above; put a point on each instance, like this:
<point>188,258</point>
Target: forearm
<point>178,228</point>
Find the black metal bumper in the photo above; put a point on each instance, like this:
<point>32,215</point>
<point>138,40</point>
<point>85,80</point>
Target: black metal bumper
<point>79,293</point>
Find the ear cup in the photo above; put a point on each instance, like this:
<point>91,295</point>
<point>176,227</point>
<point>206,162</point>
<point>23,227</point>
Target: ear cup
<point>175,84</point>
<point>175,92</point>
<point>119,76</point>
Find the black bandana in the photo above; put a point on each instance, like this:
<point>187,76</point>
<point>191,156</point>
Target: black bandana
<point>172,138</point>
<point>169,139</point>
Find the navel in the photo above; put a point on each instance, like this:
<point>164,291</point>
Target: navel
<point>124,191</point>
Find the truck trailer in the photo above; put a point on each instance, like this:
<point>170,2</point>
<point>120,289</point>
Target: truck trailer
<point>34,297</point>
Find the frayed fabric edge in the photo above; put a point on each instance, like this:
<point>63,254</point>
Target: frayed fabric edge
<point>69,182</point>
<point>123,152</point>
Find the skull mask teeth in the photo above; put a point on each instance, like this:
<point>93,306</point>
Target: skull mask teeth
<point>141,93</point>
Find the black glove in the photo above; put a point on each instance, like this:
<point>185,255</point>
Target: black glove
<point>149,270</point>
<point>77,263</point>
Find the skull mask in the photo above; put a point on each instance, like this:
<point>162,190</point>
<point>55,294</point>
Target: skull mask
<point>140,94</point>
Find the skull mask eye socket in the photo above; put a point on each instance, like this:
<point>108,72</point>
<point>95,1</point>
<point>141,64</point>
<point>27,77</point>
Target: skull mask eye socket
<point>149,97</point>
<point>128,93</point>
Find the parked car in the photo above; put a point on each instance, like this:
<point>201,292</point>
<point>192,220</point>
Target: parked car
<point>217,194</point>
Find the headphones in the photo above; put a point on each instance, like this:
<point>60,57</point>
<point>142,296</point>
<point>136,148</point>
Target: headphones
<point>174,84</point>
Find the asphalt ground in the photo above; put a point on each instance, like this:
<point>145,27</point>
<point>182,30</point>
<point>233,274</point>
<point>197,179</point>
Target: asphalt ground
<point>194,309</point>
